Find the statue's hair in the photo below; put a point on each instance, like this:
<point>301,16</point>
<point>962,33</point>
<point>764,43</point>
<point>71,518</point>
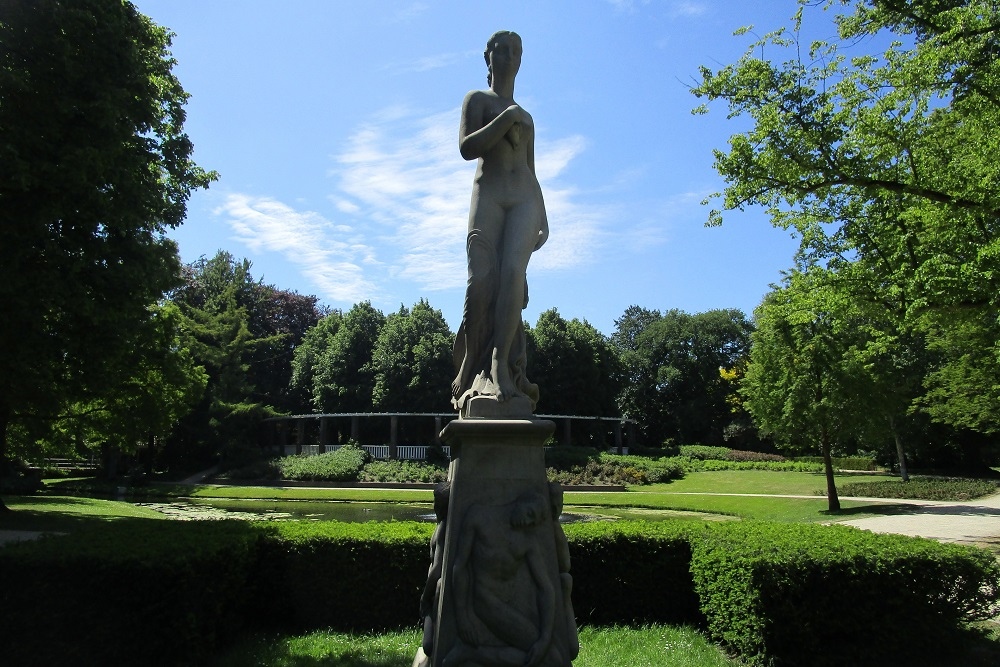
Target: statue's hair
<point>489,49</point>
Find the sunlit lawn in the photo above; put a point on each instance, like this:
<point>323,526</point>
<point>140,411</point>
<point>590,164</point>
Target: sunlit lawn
<point>655,646</point>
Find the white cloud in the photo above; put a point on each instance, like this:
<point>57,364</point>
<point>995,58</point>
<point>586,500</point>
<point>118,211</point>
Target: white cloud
<point>407,172</point>
<point>329,255</point>
<point>401,202</point>
<point>687,8</point>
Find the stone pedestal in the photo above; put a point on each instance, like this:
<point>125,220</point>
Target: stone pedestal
<point>500,582</point>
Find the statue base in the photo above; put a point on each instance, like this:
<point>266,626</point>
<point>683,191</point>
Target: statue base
<point>498,590</point>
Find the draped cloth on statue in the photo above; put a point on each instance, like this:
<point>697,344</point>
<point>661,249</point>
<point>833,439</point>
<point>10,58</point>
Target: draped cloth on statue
<point>474,344</point>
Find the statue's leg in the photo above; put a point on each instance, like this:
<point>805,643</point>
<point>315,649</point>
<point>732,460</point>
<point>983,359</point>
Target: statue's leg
<point>519,237</point>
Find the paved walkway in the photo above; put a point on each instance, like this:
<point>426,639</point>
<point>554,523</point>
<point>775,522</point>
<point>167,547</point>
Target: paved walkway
<point>970,522</point>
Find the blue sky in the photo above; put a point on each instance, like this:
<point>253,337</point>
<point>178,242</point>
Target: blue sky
<point>334,127</point>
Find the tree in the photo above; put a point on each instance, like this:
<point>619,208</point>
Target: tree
<point>333,364</point>
<point>575,366</point>
<point>804,385</point>
<point>884,164</point>
<point>276,319</point>
<point>94,168</point>
<point>675,389</point>
<point>412,362</point>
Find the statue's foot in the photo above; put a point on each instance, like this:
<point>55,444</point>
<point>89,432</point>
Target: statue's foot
<point>505,387</point>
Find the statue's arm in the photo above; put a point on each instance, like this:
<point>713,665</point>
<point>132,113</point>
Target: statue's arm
<point>474,138</point>
<point>543,229</point>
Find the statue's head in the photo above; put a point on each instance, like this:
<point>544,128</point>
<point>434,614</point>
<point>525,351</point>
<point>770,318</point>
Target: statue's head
<point>497,38</point>
<point>528,510</point>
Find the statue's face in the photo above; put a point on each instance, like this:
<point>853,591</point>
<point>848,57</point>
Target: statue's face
<point>505,55</point>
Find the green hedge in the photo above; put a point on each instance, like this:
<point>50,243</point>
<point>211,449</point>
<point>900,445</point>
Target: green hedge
<point>843,462</point>
<point>805,594</point>
<point>166,593</point>
<point>126,593</point>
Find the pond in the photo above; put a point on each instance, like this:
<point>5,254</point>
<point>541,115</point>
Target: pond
<point>189,509</point>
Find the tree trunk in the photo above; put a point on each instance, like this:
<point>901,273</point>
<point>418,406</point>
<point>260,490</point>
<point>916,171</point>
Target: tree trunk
<point>4,467</point>
<point>833,500</point>
<point>903,473</point>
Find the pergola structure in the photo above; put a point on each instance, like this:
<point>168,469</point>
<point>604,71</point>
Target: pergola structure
<point>323,432</point>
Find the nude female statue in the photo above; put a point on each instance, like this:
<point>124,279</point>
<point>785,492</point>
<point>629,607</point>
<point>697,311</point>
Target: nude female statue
<point>507,223</point>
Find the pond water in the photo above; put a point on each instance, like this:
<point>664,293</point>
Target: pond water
<point>357,512</point>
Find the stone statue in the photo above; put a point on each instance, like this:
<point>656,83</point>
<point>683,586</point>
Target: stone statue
<point>432,588</point>
<point>507,222</point>
<point>565,578</point>
<point>505,600</point>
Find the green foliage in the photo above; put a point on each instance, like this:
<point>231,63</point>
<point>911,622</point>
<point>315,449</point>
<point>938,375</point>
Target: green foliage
<point>403,472</point>
<point>702,452</point>
<point>696,465</point>
<point>599,472</point>
<point>412,361</point>
<point>923,489</point>
<point>374,571</point>
<point>341,465</point>
<point>633,572</point>
<point>564,458</point>
<point>128,592</point>
<point>673,386</point>
<point>165,592</point>
<point>95,168</point>
<point>793,594</point>
<point>878,149</point>
<point>577,364</point>
<point>843,462</point>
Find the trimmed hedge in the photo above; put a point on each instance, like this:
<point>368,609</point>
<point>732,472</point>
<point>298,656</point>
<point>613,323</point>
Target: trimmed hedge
<point>805,594</point>
<point>126,593</point>
<point>923,489</point>
<point>167,593</point>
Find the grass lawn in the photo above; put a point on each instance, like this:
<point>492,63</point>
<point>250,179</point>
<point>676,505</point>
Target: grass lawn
<point>655,646</point>
<point>670,496</point>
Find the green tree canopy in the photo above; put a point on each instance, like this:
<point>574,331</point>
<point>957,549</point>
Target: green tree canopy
<point>412,362</point>
<point>577,370</point>
<point>883,162</point>
<point>94,169</point>
<point>674,386</point>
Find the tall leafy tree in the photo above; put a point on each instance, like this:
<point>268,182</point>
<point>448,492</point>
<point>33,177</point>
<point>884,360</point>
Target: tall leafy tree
<point>675,388</point>
<point>804,384</point>
<point>883,161</point>
<point>94,168</point>
<point>334,363</point>
<point>412,361</point>
<point>577,369</point>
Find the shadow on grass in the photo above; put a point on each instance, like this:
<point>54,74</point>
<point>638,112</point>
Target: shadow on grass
<point>886,509</point>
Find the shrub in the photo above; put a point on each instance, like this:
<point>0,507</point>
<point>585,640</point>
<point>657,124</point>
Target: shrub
<point>739,455</point>
<point>402,472</point>
<point>166,593</point>
<point>696,465</point>
<point>833,595</point>
<point>663,469</point>
<point>633,572</point>
<point>126,593</point>
<point>843,462</point>
<point>566,458</point>
<point>704,452</point>
<point>599,472</point>
<point>342,465</point>
<point>922,489</point>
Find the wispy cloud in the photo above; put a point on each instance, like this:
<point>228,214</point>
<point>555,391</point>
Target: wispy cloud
<point>334,257</point>
<point>687,8</point>
<point>401,204</point>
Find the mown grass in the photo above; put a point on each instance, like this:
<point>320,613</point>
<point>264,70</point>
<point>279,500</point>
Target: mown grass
<point>652,646</point>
